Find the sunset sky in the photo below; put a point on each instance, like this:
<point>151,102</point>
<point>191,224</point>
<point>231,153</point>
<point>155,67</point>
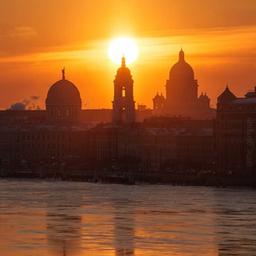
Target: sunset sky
<point>38,38</point>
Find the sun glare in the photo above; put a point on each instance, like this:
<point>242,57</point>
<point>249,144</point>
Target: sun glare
<point>124,46</point>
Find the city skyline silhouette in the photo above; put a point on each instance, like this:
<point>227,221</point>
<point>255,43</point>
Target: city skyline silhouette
<point>218,42</point>
<point>127,128</point>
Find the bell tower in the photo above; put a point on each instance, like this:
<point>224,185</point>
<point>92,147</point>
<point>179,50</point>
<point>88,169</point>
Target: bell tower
<point>123,103</point>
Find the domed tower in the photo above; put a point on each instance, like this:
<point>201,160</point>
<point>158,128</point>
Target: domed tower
<point>181,88</point>
<point>63,102</point>
<point>123,103</point>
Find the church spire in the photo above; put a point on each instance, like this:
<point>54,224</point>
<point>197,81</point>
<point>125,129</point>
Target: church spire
<point>123,62</point>
<point>181,55</point>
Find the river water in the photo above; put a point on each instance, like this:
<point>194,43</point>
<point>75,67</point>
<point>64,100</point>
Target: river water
<point>41,218</point>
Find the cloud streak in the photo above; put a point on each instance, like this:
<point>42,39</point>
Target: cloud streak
<point>20,32</point>
<point>219,44</point>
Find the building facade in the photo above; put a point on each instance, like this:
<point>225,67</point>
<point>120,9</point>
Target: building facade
<point>236,132</point>
<point>182,94</point>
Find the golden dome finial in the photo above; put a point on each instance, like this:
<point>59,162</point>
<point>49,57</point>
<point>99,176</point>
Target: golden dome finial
<point>181,55</point>
<point>123,61</point>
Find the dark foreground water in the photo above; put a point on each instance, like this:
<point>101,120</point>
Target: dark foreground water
<point>63,218</point>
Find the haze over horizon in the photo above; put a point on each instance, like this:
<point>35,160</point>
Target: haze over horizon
<point>217,37</point>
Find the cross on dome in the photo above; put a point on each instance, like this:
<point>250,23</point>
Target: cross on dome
<point>63,73</point>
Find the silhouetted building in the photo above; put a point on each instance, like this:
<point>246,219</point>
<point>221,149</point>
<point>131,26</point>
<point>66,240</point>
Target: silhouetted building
<point>182,94</point>
<point>195,149</point>
<point>145,148</point>
<point>65,139</point>
<point>123,103</point>
<point>87,117</point>
<point>204,101</point>
<point>236,132</point>
<point>63,102</point>
<point>44,147</point>
<point>158,104</point>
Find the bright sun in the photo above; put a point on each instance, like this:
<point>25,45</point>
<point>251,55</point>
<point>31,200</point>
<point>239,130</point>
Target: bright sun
<point>123,46</point>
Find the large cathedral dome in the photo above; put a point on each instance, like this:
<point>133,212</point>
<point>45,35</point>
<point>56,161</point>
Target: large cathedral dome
<point>63,102</point>
<point>181,69</point>
<point>63,92</point>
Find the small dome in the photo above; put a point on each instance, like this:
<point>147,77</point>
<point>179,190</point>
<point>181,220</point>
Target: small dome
<point>226,96</point>
<point>123,72</point>
<point>63,92</point>
<point>181,69</point>
<point>123,67</point>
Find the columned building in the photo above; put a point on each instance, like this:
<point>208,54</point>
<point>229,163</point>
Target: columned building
<point>123,103</point>
<point>63,102</point>
<point>181,88</point>
<point>182,94</point>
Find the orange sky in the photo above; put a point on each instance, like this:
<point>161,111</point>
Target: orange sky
<point>38,38</point>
